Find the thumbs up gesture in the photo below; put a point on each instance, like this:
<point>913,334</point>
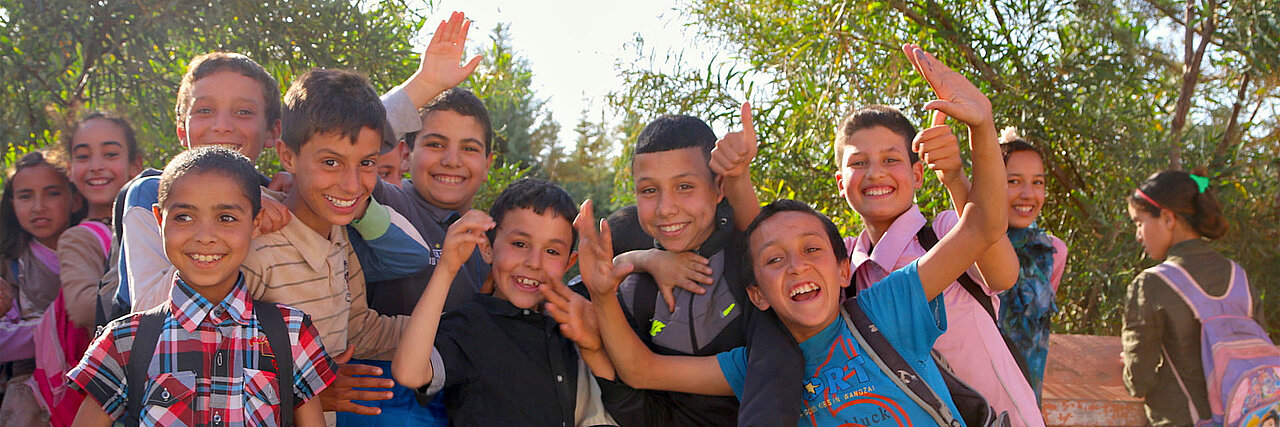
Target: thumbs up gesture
<point>733,153</point>
<point>940,149</point>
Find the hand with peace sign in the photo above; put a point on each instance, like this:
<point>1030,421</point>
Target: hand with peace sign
<point>957,96</point>
<point>731,161</point>
<point>439,70</point>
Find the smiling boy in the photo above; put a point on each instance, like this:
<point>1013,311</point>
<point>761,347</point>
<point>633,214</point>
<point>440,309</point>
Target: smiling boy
<point>799,266</point>
<point>208,356</point>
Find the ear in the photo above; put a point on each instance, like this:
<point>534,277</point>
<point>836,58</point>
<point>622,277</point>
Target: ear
<point>846,272</point>
<point>573,259</point>
<point>488,165</point>
<point>757,297</point>
<point>917,174</point>
<point>719,184</point>
<point>273,136</point>
<point>135,167</point>
<point>257,224</point>
<point>840,183</point>
<point>1168,219</point>
<point>155,210</point>
<point>181,130</point>
<point>287,158</point>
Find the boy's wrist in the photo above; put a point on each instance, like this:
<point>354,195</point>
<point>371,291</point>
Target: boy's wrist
<point>421,89</point>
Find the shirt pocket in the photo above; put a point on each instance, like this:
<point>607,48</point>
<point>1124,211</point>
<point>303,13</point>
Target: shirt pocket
<point>170,399</point>
<point>261,398</point>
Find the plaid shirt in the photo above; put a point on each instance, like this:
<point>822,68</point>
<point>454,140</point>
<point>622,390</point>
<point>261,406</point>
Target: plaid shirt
<point>212,364</point>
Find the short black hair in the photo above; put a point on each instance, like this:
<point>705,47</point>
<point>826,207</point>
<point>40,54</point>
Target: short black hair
<point>463,102</point>
<point>788,205</point>
<point>213,159</point>
<point>332,101</point>
<point>872,116</point>
<point>538,195</point>
<point>674,132</point>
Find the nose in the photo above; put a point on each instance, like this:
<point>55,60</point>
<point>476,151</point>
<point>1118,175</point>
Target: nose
<point>796,264</point>
<point>350,181</point>
<point>667,205</point>
<point>222,122</point>
<point>451,157</point>
<point>204,233</point>
<point>534,260</point>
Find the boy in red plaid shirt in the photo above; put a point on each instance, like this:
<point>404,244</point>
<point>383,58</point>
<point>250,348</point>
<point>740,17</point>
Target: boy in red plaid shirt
<point>211,359</point>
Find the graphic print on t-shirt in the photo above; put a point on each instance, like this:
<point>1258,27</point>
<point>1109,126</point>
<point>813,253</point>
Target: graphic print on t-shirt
<point>842,383</point>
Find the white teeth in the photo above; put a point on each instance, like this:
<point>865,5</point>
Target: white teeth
<point>807,287</point>
<point>1023,208</point>
<point>528,282</point>
<point>671,228</point>
<point>340,203</point>
<point>98,181</point>
<point>206,258</point>
<point>448,179</point>
<point>879,191</point>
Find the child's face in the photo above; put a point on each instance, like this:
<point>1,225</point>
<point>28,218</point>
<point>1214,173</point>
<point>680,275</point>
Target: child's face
<point>1155,232</point>
<point>206,225</point>
<point>529,250</point>
<point>1026,188</point>
<point>676,197</point>
<point>43,202</point>
<point>448,163</point>
<point>876,176</point>
<point>332,177</point>
<point>392,164</point>
<point>227,108</point>
<point>797,272</point>
<point>100,161</point>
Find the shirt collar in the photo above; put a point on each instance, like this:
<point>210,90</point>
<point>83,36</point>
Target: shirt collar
<point>892,244</point>
<point>190,308</point>
<point>500,307</point>
<point>1189,248</point>
<point>439,214</point>
<point>313,247</point>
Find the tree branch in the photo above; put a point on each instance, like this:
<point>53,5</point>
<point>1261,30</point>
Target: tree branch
<point>1190,76</point>
<point>1232,135</point>
<point>985,71</point>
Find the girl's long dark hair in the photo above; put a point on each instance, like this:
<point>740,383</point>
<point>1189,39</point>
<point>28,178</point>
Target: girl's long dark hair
<point>13,238</point>
<point>1177,192</point>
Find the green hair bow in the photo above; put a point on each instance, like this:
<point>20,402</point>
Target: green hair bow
<point>1201,182</point>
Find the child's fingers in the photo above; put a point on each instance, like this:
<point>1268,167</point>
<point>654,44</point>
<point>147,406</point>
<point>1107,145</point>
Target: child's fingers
<point>692,286</point>
<point>471,65</point>
<point>944,106</point>
<point>438,36</point>
<point>939,118</point>
<point>606,238</point>
<point>748,127</point>
<point>669,297</point>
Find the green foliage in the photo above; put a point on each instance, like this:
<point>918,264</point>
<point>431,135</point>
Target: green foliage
<point>1092,82</point>
<point>504,80</point>
<point>59,57</point>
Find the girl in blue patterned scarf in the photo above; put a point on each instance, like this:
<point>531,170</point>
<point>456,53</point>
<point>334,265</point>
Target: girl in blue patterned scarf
<point>1026,308</point>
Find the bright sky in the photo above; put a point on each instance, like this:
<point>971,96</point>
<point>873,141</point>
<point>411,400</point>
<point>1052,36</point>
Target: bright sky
<point>573,45</point>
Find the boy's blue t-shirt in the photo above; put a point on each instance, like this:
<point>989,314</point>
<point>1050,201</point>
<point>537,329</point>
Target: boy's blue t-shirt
<point>844,385</point>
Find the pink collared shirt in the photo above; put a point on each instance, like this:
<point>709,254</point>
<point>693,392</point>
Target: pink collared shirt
<point>972,344</point>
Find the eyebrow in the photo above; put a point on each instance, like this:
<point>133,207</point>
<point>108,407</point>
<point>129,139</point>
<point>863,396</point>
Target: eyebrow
<point>520,233</point>
<point>235,99</point>
<point>228,207</point>
<point>440,136</point>
<point>85,144</point>
<point>327,150</point>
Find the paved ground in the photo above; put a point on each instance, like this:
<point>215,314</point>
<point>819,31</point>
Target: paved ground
<point>1083,386</point>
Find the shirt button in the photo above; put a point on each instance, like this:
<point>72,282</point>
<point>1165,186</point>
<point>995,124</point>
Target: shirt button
<point>217,418</point>
<point>217,312</point>
<point>525,312</point>
<point>559,378</point>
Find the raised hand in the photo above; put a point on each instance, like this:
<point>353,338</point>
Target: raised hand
<point>464,236</point>
<point>576,315</point>
<point>733,153</point>
<point>940,149</point>
<point>439,70</point>
<point>957,96</point>
<point>339,395</point>
<point>595,255</point>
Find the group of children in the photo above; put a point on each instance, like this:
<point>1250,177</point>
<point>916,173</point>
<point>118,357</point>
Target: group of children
<point>247,297</point>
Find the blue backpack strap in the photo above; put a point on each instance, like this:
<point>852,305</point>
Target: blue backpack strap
<point>894,367</point>
<point>278,338</point>
<point>145,338</point>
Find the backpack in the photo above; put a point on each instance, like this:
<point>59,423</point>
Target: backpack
<point>148,335</point>
<point>59,345</point>
<point>107,307</point>
<point>928,238</point>
<point>1241,364</point>
<point>974,409</point>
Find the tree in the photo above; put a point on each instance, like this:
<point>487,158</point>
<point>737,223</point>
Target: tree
<point>1091,81</point>
<point>60,57</point>
<point>585,172</point>
<point>504,81</point>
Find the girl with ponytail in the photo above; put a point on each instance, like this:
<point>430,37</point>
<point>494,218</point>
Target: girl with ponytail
<point>1176,215</point>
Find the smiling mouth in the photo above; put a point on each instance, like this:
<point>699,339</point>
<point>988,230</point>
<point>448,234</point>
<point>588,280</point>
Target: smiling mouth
<point>805,291</point>
<point>672,228</point>
<point>1024,209</point>
<point>98,182</point>
<point>448,179</point>
<point>340,202</point>
<point>877,191</point>
<point>527,284</point>
<point>205,258</point>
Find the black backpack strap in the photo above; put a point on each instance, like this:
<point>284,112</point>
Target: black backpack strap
<point>145,339</point>
<point>928,238</point>
<point>278,337</point>
<point>896,368</point>
<point>644,306</point>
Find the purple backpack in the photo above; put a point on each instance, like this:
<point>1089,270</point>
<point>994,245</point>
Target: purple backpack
<point>1241,364</point>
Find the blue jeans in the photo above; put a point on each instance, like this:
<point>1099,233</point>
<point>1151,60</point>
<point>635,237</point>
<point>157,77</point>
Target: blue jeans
<point>401,410</point>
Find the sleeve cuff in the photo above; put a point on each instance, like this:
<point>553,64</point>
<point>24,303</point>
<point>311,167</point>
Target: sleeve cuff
<point>401,113</point>
<point>375,222</point>
<point>437,376</point>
